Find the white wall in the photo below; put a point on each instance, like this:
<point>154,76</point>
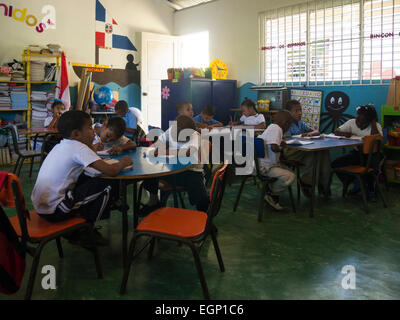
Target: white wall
<point>75,25</point>
<point>233,28</point>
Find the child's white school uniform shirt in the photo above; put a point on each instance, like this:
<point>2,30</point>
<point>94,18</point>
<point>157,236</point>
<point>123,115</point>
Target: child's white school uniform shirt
<point>59,172</point>
<point>351,126</point>
<point>252,120</point>
<point>119,142</point>
<point>272,135</point>
<point>47,121</point>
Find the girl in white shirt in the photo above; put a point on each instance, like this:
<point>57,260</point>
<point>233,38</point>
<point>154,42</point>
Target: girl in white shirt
<point>250,116</point>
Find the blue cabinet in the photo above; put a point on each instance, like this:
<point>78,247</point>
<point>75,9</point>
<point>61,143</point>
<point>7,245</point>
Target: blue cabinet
<point>199,92</point>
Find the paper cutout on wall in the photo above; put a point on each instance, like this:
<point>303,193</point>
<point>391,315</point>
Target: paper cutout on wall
<point>336,103</point>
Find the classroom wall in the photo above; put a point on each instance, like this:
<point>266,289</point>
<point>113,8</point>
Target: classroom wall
<point>75,31</point>
<point>234,38</point>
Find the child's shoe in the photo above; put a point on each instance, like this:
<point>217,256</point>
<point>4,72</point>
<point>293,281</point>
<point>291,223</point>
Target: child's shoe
<point>273,201</point>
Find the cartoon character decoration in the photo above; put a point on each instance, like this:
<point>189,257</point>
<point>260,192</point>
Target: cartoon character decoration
<point>336,103</point>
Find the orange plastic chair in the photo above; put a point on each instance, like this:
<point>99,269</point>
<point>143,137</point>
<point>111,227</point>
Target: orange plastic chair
<point>32,228</point>
<point>372,146</point>
<point>185,226</point>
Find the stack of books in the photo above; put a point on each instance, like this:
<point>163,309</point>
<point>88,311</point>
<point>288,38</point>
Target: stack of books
<point>51,70</point>
<point>19,100</point>
<point>5,101</point>
<point>38,70</point>
<point>39,105</point>
<point>18,76</point>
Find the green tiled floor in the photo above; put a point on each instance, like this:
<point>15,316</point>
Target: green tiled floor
<point>287,256</point>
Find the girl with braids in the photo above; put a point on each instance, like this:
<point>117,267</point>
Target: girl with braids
<point>365,124</point>
<point>250,116</point>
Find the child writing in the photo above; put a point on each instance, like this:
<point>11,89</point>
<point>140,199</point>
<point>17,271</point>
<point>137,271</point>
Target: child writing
<point>365,124</point>
<point>57,109</point>
<point>299,127</point>
<point>270,165</point>
<point>250,116</point>
<point>205,119</point>
<point>191,180</point>
<point>132,117</point>
<point>109,136</point>
<point>61,189</point>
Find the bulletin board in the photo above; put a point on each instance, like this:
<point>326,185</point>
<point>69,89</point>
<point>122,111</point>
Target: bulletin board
<point>311,102</point>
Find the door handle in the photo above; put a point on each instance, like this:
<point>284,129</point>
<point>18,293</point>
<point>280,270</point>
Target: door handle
<point>144,94</point>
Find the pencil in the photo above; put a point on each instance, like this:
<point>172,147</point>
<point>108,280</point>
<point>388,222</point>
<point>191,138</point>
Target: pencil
<point>98,138</point>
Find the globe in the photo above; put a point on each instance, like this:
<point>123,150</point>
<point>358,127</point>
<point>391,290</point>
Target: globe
<point>103,95</point>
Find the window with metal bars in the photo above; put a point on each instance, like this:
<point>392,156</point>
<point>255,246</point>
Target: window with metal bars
<point>331,42</point>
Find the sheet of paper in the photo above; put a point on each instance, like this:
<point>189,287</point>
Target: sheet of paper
<point>91,172</point>
<point>332,135</point>
<point>295,141</point>
<point>312,137</point>
<point>103,152</point>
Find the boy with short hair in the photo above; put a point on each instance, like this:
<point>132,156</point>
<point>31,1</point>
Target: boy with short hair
<point>205,118</point>
<point>132,118</point>
<point>110,136</point>
<point>270,166</point>
<point>61,189</point>
<point>299,127</point>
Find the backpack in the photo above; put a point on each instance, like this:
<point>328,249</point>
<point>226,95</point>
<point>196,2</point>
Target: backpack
<point>12,257</point>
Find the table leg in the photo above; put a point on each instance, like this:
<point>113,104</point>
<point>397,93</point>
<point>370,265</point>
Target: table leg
<point>315,178</point>
<point>174,191</point>
<point>135,206</point>
<point>123,187</point>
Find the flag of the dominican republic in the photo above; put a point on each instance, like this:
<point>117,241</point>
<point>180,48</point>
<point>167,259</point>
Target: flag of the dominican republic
<point>108,33</point>
<point>62,89</point>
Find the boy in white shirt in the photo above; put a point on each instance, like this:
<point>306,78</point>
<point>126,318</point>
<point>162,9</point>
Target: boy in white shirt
<point>61,190</point>
<point>191,180</point>
<point>109,136</point>
<point>270,165</point>
<point>57,109</point>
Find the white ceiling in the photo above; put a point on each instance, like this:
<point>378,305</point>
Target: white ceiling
<point>182,4</point>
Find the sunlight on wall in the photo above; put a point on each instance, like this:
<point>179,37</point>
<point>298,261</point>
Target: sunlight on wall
<point>194,50</point>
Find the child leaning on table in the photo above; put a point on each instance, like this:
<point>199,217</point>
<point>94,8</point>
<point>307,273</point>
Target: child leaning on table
<point>299,127</point>
<point>270,165</point>
<point>250,116</point>
<point>205,120</point>
<point>365,124</point>
<point>109,136</point>
<point>62,190</point>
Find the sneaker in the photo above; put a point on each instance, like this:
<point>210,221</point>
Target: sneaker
<point>273,201</point>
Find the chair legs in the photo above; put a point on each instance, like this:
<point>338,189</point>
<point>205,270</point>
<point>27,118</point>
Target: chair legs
<point>261,204</point>
<point>16,164</point>
<point>31,167</point>
<point>59,248</point>
<point>32,274</point>
<point>380,191</point>
<point>364,194</point>
<point>239,193</point>
<point>128,264</point>
<point>200,272</point>
<point>217,250</point>
<point>20,166</point>
<point>292,199</point>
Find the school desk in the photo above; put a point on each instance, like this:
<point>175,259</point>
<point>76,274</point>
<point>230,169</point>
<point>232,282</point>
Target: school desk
<point>144,167</point>
<point>316,148</point>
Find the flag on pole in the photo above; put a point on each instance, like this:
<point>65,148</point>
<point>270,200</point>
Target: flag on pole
<point>62,89</point>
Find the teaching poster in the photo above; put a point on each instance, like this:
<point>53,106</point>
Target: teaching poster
<point>311,102</point>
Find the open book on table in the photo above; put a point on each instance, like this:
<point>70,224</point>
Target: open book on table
<point>298,142</point>
<point>334,136</point>
<point>312,137</point>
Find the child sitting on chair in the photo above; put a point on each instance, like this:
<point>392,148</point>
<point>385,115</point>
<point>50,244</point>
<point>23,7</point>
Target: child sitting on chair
<point>62,190</point>
<point>299,127</point>
<point>109,136</point>
<point>250,116</point>
<point>270,166</point>
<point>57,109</point>
<point>205,120</point>
<point>365,124</point>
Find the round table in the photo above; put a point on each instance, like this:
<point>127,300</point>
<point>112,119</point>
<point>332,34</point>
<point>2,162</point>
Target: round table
<point>144,167</point>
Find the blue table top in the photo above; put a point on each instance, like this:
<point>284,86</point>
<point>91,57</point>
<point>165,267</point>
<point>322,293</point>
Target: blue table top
<point>145,166</point>
<point>325,144</point>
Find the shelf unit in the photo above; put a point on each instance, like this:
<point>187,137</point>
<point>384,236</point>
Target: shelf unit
<point>389,114</point>
<point>26,60</point>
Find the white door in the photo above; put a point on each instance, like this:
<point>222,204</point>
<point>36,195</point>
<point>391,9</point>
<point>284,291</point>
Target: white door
<point>159,52</point>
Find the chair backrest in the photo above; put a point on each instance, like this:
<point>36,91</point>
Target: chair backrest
<point>370,146</point>
<point>217,192</point>
<point>11,196</point>
<point>14,136</point>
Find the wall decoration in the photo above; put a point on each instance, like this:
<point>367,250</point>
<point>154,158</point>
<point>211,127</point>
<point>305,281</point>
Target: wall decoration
<point>336,103</point>
<point>108,37</point>
<point>311,102</point>
<point>219,69</point>
<point>165,93</point>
